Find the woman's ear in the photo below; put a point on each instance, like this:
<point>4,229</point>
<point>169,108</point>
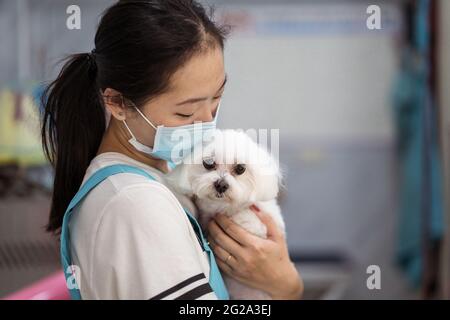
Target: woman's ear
<point>113,101</point>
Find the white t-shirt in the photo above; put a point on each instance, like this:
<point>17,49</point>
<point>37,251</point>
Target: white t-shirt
<point>131,239</point>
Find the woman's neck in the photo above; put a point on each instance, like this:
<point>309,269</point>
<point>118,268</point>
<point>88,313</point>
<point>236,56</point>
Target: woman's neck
<point>116,139</point>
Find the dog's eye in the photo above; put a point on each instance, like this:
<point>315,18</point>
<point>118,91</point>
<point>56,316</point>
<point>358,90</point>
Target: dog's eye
<point>209,164</point>
<point>239,169</point>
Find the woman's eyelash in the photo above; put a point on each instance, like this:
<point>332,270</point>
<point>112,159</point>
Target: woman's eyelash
<point>190,115</point>
<point>184,115</point>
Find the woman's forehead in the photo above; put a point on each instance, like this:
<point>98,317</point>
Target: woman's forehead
<point>201,75</point>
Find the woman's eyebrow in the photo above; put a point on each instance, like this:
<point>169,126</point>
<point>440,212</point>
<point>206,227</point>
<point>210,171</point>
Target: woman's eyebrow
<point>192,100</point>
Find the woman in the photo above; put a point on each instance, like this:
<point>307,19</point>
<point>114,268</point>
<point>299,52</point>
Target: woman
<point>154,63</point>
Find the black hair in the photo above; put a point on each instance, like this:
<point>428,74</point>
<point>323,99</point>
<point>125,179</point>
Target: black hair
<point>139,45</point>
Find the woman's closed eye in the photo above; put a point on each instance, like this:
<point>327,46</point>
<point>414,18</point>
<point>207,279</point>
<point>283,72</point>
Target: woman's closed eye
<point>184,115</point>
<point>188,115</point>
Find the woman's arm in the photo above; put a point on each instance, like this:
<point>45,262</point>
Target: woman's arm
<point>260,263</point>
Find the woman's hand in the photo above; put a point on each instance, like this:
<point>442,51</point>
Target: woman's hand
<point>259,263</point>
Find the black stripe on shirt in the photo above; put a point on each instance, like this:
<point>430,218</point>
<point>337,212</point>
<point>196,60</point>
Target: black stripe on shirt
<point>196,292</point>
<point>178,286</point>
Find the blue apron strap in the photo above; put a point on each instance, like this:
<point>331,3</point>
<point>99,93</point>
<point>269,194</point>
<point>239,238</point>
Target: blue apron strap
<point>91,183</point>
<point>215,277</point>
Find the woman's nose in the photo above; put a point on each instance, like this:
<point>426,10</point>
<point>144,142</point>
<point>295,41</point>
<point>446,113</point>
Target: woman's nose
<point>207,113</point>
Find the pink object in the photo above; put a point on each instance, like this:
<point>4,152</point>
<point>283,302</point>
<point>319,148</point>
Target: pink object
<point>52,287</point>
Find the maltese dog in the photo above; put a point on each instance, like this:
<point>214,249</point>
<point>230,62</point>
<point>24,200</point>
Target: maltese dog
<point>229,174</point>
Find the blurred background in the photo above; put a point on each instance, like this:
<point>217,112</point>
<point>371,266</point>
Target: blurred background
<point>364,120</point>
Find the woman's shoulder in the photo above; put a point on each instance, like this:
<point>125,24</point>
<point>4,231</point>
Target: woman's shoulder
<point>135,190</point>
<point>129,197</point>
<point>114,158</point>
<point>144,203</point>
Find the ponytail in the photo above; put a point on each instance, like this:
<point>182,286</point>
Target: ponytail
<point>72,128</point>
<point>139,46</point>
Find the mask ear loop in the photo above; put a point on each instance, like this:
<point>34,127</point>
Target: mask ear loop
<point>139,111</point>
<point>128,128</point>
<point>122,101</point>
<point>217,111</point>
<point>145,118</point>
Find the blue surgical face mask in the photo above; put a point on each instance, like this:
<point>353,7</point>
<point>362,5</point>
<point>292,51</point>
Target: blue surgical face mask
<point>173,144</point>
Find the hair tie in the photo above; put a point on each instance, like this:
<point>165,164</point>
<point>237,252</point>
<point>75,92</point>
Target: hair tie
<point>92,60</point>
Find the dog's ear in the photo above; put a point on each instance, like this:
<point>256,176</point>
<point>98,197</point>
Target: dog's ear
<point>265,173</point>
<point>267,177</point>
<point>178,178</point>
<point>266,185</point>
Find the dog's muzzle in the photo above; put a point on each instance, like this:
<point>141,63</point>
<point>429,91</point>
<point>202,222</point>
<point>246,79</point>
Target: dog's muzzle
<point>221,187</point>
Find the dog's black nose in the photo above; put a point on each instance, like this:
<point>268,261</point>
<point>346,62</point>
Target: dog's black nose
<point>221,185</point>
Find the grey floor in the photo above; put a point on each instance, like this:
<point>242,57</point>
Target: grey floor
<point>27,253</point>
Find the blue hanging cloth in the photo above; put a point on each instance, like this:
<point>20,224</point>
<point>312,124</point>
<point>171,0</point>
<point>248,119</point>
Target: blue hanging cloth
<point>421,175</point>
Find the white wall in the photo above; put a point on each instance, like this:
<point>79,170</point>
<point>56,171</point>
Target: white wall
<point>313,70</point>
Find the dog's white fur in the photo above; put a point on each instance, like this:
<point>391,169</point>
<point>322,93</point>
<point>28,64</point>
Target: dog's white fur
<point>259,185</point>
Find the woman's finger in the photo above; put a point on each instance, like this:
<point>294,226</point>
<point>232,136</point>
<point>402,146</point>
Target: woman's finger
<point>222,254</point>
<point>273,231</point>
<point>234,230</point>
<point>225,268</point>
<point>224,241</point>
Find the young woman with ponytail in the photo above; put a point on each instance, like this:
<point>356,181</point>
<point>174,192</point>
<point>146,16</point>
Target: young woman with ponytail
<point>123,233</point>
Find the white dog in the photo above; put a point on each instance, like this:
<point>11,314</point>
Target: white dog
<point>230,174</point>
